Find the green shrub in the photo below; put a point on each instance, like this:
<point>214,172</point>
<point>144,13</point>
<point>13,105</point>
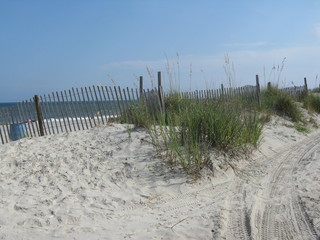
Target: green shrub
<point>312,103</point>
<point>194,127</point>
<point>285,106</point>
<point>228,127</point>
<point>301,128</point>
<point>138,115</point>
<point>280,103</point>
<point>173,102</point>
<point>191,128</point>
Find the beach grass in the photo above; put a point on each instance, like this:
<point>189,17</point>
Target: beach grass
<point>312,103</point>
<point>273,100</point>
<point>190,128</point>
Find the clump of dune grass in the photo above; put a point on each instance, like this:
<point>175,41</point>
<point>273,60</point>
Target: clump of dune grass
<point>137,114</point>
<point>143,112</point>
<point>280,103</point>
<point>190,129</point>
<point>312,103</point>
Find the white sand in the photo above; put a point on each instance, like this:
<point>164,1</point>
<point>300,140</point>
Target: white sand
<point>101,184</point>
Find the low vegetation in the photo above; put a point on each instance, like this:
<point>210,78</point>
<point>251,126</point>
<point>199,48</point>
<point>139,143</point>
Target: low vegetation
<point>190,129</point>
<point>301,128</point>
<point>275,101</point>
<point>312,103</point>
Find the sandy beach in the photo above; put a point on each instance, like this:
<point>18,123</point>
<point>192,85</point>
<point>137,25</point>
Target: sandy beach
<point>104,184</point>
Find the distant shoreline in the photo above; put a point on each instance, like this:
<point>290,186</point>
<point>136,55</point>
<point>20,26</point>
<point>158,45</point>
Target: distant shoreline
<point>7,104</point>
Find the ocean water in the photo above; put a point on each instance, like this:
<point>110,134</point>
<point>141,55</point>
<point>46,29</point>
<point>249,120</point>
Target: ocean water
<point>9,104</point>
<point>4,108</point>
<point>22,112</point>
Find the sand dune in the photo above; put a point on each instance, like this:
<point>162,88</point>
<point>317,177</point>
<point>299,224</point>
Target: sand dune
<point>103,184</point>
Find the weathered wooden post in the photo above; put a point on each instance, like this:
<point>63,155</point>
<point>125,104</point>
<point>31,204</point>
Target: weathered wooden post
<point>222,90</point>
<point>39,114</point>
<point>305,84</point>
<point>159,80</point>
<point>258,88</point>
<point>269,86</point>
<point>141,87</point>
<point>160,92</point>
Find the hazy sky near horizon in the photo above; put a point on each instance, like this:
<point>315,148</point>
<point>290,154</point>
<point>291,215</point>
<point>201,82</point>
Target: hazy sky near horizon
<point>50,46</point>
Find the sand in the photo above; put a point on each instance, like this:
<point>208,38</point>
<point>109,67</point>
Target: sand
<point>105,183</point>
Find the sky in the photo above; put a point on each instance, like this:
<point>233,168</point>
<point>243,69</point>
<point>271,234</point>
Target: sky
<point>48,46</point>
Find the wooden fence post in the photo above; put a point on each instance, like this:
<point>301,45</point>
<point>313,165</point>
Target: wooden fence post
<point>160,92</point>
<point>39,114</point>
<point>269,86</point>
<point>159,80</point>
<point>258,88</point>
<point>305,84</point>
<point>141,87</point>
<point>222,89</point>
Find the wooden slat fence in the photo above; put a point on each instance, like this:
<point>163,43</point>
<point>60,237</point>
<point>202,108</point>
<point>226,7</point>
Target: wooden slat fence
<point>65,111</point>
<point>249,91</point>
<point>83,108</point>
<point>296,92</point>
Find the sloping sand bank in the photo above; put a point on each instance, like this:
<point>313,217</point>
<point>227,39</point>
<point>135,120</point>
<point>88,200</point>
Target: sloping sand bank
<point>101,184</point>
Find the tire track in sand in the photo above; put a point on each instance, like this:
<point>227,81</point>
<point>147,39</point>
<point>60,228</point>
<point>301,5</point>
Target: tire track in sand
<point>283,215</point>
<point>276,212</point>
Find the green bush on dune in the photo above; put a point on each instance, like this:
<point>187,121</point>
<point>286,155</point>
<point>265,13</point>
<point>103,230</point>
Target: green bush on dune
<point>189,129</point>
<point>312,103</point>
<point>280,103</point>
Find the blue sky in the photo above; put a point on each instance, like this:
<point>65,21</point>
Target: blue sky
<point>48,46</point>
